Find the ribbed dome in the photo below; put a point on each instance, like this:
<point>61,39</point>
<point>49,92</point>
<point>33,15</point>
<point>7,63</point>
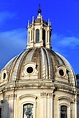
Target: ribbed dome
<point>39,63</point>
<point>38,82</point>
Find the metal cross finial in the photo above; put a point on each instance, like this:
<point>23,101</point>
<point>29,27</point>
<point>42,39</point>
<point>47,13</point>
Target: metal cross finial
<point>39,6</point>
<point>39,10</point>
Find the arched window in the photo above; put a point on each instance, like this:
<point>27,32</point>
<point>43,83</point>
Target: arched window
<point>63,111</point>
<point>4,75</point>
<point>43,36</point>
<point>37,35</point>
<point>28,36</point>
<point>31,35</point>
<point>28,110</point>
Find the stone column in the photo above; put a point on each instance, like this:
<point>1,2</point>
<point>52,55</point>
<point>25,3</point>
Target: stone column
<point>48,38</point>
<point>76,109</point>
<point>49,105</point>
<point>41,40</point>
<point>46,105</point>
<point>43,107</point>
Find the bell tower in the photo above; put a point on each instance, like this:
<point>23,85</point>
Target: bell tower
<point>39,32</point>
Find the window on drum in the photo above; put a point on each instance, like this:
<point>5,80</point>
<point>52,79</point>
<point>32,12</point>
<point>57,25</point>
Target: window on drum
<point>63,111</point>
<point>28,111</point>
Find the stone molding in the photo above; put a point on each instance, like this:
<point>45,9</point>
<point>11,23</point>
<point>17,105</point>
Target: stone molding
<point>44,94</point>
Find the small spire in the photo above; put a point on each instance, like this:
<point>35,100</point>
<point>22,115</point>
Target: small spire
<point>39,10</point>
<point>48,21</point>
<point>28,23</point>
<point>32,19</point>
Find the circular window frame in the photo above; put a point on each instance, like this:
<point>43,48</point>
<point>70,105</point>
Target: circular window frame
<point>30,70</point>
<point>61,72</point>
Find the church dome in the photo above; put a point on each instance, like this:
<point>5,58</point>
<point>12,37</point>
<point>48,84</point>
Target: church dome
<point>39,82</point>
<point>39,63</point>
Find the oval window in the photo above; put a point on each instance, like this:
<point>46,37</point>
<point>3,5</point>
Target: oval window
<point>61,72</point>
<point>29,69</point>
<point>4,75</point>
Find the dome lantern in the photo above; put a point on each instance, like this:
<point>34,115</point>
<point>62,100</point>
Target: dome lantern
<point>39,32</point>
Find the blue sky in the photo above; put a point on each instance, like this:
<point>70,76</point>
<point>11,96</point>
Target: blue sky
<point>64,17</point>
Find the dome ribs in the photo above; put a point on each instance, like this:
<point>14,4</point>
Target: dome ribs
<point>13,65</point>
<point>9,64</point>
<point>52,65</point>
<point>60,60</point>
<point>70,69</point>
<point>45,63</point>
<point>17,65</point>
<point>30,55</point>
<point>37,59</point>
<point>35,56</point>
<point>22,63</point>
<point>50,69</point>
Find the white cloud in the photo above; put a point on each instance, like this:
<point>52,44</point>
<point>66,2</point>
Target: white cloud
<point>13,37</point>
<point>5,16</point>
<point>70,41</point>
<point>64,42</point>
<point>12,41</point>
<point>11,44</point>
